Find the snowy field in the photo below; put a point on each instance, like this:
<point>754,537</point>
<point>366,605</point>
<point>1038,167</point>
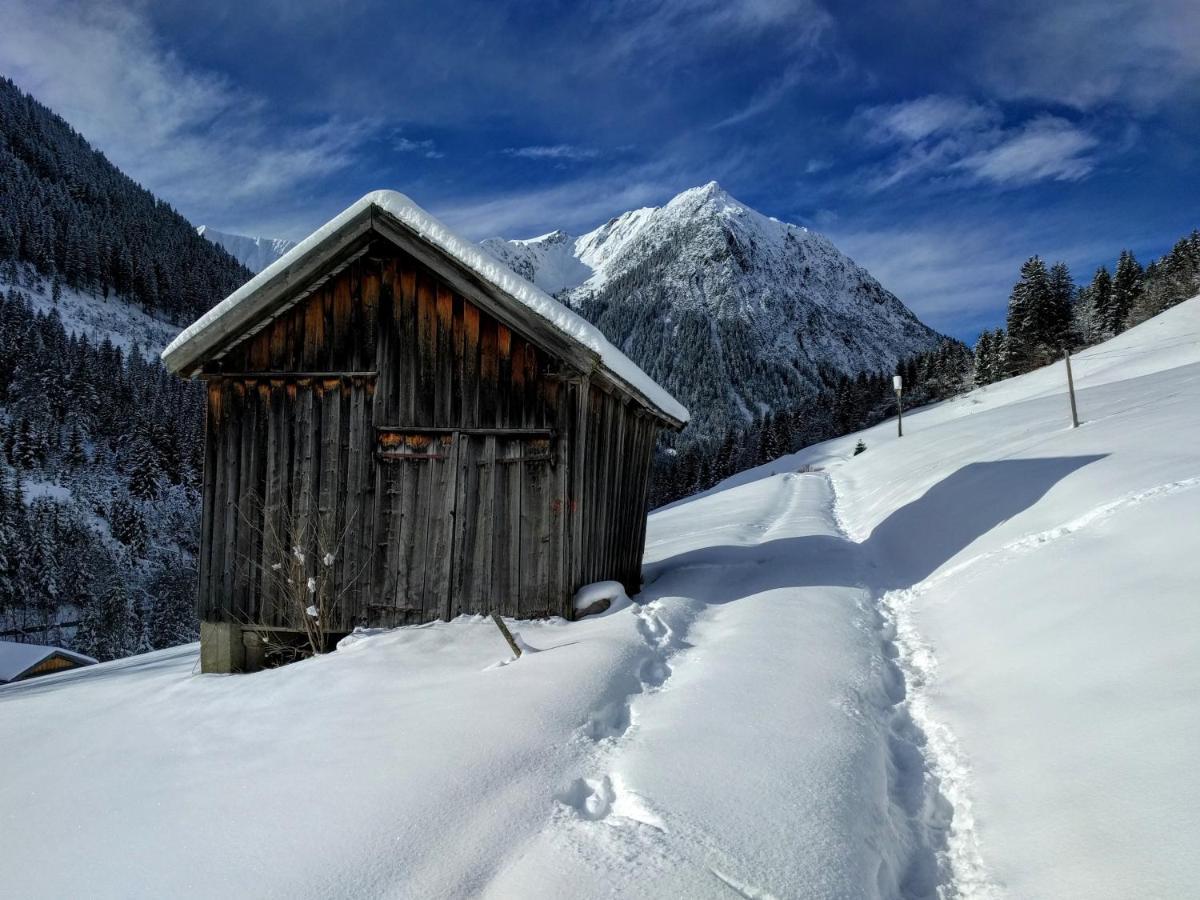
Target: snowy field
<point>968,657</point>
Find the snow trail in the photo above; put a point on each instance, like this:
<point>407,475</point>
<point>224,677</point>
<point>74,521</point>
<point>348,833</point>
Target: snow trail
<point>732,585</point>
<point>967,874</point>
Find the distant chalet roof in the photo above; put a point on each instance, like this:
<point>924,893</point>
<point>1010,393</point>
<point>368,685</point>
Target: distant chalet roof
<point>17,659</point>
<point>391,214</point>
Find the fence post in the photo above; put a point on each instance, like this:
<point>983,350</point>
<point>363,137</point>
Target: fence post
<point>898,384</point>
<point>507,634</point>
<point>1071,388</point>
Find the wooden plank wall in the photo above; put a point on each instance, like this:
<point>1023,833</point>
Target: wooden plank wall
<point>619,441</point>
<point>381,409</point>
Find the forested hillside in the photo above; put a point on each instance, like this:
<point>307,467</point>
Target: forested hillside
<point>98,444</point>
<point>1048,313</point>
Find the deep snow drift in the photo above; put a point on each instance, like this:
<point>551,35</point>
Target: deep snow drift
<point>993,617</point>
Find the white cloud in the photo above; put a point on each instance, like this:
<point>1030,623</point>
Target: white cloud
<point>1047,147</point>
<point>670,33</point>
<point>190,136</point>
<point>651,31</point>
<point>925,117</point>
<point>562,152</point>
<point>1084,53</point>
<point>426,148</point>
<point>952,140</point>
<point>575,206</point>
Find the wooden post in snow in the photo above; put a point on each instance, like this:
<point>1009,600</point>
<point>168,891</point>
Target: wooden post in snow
<point>507,634</point>
<point>898,384</point>
<point>1071,388</point>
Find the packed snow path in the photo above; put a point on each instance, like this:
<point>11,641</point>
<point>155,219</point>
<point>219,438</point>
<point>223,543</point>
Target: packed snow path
<point>760,747</point>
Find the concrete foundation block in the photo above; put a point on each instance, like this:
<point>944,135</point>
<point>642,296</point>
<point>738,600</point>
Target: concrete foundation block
<point>221,648</point>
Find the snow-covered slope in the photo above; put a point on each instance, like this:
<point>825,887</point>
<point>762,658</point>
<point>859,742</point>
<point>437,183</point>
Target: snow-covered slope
<point>98,318</point>
<point>1043,584</point>
<point>255,253</point>
<point>963,663</point>
<point>732,311</point>
<point>548,261</point>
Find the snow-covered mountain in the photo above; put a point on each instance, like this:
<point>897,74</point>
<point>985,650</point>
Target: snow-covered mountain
<point>733,311</point>
<point>255,253</point>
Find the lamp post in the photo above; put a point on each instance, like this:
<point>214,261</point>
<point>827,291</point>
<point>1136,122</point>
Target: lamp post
<point>898,384</point>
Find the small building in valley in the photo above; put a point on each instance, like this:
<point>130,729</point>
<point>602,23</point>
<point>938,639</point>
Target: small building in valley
<point>19,662</point>
<point>401,429</point>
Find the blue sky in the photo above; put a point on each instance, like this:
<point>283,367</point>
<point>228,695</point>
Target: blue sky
<point>939,144</point>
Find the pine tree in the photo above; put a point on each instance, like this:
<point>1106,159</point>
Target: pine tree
<point>1126,292</point>
<point>107,623</point>
<point>76,455</point>
<point>1099,306</point>
<point>985,359</point>
<point>11,518</point>
<point>1027,305</point>
<point>128,526</point>
<point>1056,322</point>
<point>144,474</point>
<point>171,616</point>
<point>28,445</point>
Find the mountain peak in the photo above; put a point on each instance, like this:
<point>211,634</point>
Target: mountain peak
<point>736,312</point>
<point>710,191</point>
<point>255,253</point>
<point>557,236</point>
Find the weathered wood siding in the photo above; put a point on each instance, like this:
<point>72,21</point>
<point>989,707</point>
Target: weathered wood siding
<point>617,448</point>
<point>450,463</point>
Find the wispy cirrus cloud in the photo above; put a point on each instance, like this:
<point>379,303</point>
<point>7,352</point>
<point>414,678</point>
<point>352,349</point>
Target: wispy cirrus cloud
<point>1137,54</point>
<point>191,136</point>
<point>931,116</point>
<point>426,147</point>
<point>1047,147</point>
<point>670,29</point>
<point>952,139</point>
<point>558,152</point>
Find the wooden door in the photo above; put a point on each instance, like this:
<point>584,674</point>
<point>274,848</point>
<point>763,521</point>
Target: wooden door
<point>415,527</point>
<point>466,524</point>
<point>504,520</point>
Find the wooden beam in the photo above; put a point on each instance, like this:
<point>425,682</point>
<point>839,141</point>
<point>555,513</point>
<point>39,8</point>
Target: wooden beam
<point>499,432</point>
<point>294,376</point>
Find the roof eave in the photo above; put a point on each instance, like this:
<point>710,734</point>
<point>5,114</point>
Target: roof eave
<point>242,315</point>
<point>247,308</point>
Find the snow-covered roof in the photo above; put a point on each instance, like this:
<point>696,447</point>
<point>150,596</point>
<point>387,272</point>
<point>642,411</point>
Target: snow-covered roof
<point>17,659</point>
<point>246,304</point>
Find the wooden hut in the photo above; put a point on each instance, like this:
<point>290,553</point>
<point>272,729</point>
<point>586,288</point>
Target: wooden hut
<point>415,432</point>
<point>19,662</point>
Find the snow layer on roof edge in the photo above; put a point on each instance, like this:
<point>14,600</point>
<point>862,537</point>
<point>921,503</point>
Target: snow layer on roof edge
<point>473,257</point>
